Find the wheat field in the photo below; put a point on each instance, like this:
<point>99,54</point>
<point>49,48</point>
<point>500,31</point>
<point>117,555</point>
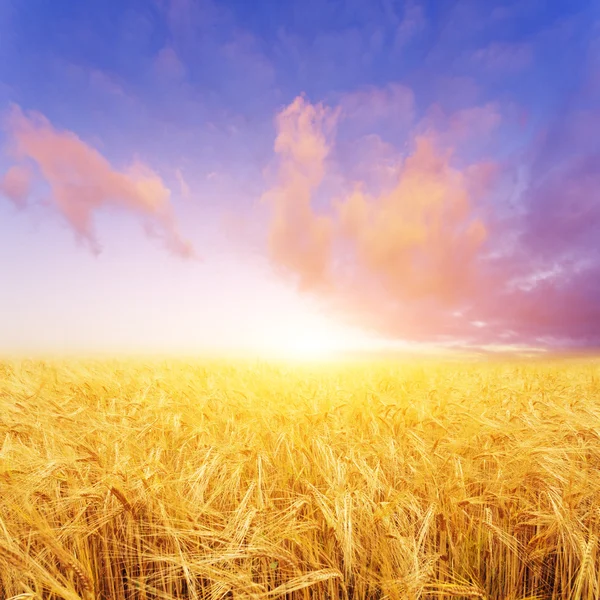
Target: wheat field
<point>374,480</point>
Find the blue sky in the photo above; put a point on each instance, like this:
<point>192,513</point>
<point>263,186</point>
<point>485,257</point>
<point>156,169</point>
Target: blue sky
<point>192,91</point>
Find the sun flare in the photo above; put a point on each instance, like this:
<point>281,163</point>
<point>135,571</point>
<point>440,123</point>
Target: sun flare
<point>310,336</point>
<point>309,343</point>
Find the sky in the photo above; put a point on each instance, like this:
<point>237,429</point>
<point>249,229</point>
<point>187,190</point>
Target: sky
<point>209,176</point>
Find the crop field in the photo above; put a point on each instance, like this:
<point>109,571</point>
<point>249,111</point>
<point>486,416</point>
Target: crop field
<point>373,480</point>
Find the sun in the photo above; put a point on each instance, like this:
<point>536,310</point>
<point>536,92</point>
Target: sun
<point>311,345</point>
<point>314,345</point>
<point>308,338</point>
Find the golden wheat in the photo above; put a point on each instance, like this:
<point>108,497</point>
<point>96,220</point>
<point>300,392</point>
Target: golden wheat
<point>165,479</point>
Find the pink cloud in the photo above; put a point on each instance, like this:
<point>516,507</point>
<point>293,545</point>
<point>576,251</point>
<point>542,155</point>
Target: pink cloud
<point>299,239</point>
<point>433,256</point>
<point>403,260</point>
<point>420,239</point>
<point>82,181</point>
<point>15,184</point>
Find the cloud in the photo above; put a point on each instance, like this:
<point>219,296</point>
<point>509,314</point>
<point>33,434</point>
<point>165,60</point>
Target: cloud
<point>564,214</point>
<point>299,239</point>
<point>415,246</point>
<point>554,290</point>
<point>431,257</point>
<point>15,184</point>
<point>82,181</point>
<point>420,239</point>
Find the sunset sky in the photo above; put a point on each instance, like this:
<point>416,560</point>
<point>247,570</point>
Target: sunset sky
<point>181,176</point>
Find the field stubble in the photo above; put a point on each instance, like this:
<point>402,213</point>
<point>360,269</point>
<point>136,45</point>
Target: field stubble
<point>163,480</point>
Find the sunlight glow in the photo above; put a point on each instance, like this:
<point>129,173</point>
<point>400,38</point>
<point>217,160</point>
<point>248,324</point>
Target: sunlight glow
<point>308,339</point>
<point>310,336</point>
